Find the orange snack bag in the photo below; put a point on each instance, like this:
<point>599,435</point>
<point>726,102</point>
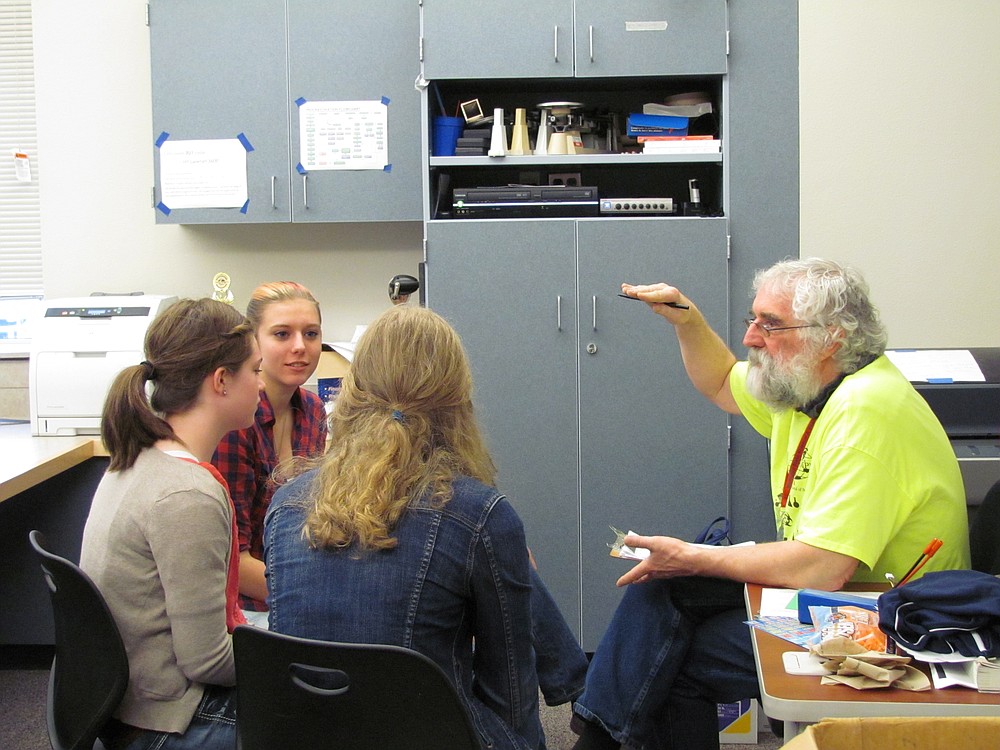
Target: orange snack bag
<point>860,625</point>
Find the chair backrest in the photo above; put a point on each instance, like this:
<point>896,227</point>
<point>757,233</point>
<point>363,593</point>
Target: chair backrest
<point>298,692</point>
<point>90,670</point>
<point>984,536</point>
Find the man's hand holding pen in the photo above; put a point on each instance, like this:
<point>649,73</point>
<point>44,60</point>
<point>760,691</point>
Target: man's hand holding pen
<point>662,298</point>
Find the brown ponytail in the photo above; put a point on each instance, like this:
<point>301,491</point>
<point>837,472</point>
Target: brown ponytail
<point>187,341</point>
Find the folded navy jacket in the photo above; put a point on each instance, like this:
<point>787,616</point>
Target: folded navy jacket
<point>947,612</point>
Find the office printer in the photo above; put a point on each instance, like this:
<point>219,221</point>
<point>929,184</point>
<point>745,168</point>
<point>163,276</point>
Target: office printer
<point>970,413</point>
<point>79,345</point>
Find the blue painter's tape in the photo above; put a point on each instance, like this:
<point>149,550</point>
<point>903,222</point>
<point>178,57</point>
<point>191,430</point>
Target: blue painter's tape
<point>163,136</point>
<point>300,169</point>
<point>387,167</point>
<point>940,380</point>
<point>385,100</point>
<point>245,141</point>
<point>300,101</point>
<point>245,207</point>
<point>163,208</point>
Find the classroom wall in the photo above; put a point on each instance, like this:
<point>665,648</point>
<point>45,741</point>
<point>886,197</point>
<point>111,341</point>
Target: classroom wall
<point>899,173</point>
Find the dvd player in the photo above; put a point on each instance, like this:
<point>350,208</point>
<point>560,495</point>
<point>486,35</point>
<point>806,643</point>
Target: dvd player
<point>514,201</point>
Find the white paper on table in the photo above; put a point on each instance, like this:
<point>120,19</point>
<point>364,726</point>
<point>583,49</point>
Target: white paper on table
<point>937,365</point>
<point>932,657</point>
<point>958,669</point>
<point>803,662</point>
<point>779,603</point>
<point>976,673</point>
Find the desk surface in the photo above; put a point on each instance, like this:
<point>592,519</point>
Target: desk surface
<point>27,461</point>
<point>802,699</point>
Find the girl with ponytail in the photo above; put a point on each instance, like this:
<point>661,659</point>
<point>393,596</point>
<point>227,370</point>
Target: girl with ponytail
<point>159,541</point>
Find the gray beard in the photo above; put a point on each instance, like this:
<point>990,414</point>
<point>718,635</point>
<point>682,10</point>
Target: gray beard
<point>785,385</point>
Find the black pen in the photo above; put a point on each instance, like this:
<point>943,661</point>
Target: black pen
<point>676,305</point>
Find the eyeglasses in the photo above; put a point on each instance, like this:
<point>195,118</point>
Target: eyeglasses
<point>766,330</point>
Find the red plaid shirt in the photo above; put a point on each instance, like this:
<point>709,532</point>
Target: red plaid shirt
<point>246,458</point>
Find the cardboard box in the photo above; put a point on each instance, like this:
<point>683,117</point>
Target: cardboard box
<point>898,733</point>
<point>327,379</point>
<point>738,722</point>
<point>331,365</point>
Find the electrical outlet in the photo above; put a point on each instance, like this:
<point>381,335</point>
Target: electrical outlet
<point>570,179</point>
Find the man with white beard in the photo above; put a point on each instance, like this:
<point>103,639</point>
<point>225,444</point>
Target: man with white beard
<point>862,478</point>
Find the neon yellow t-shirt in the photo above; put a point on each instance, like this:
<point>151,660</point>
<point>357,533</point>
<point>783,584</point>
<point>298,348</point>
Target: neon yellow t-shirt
<point>878,479</point>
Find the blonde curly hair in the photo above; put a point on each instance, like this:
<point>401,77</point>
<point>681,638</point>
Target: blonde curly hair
<point>402,428</point>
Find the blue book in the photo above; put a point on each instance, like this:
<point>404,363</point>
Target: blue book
<point>637,119</point>
<point>640,124</point>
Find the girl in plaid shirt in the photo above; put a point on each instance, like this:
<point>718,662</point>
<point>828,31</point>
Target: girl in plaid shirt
<point>290,421</point>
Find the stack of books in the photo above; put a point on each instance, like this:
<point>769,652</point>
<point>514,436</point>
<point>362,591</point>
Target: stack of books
<point>639,124</point>
<point>979,673</point>
<point>473,142</point>
<point>683,144</point>
<point>667,128</point>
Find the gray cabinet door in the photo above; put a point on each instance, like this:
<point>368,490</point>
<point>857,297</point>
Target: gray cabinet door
<point>509,288</point>
<point>653,451</point>
<point>585,38</point>
<point>345,52</point>
<point>589,413</point>
<point>513,39</point>
<point>218,71</point>
<point>651,37</point>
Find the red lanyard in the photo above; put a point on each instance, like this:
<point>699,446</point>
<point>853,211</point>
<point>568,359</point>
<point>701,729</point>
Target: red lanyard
<point>796,460</point>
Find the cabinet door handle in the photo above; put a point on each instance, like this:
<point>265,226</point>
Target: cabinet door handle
<point>273,180</point>
<point>305,191</point>
<point>558,312</point>
<point>593,302</point>
<point>591,35</point>
<point>555,43</point>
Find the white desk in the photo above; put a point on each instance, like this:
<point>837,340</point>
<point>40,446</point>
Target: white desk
<point>799,700</point>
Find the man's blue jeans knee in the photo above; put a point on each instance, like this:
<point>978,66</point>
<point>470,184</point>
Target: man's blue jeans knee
<point>673,648</point>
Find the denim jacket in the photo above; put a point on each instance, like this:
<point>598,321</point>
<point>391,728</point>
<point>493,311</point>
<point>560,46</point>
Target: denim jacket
<point>459,574</point>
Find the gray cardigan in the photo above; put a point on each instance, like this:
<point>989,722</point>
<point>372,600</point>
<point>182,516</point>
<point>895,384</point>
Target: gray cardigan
<point>157,544</point>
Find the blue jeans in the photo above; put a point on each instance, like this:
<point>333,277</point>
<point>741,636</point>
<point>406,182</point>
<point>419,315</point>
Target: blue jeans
<point>213,726</point>
<point>559,661</point>
<point>674,649</point>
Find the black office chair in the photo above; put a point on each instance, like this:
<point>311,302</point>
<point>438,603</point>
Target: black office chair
<point>298,692</point>
<point>90,670</point>
<point>984,536</point>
